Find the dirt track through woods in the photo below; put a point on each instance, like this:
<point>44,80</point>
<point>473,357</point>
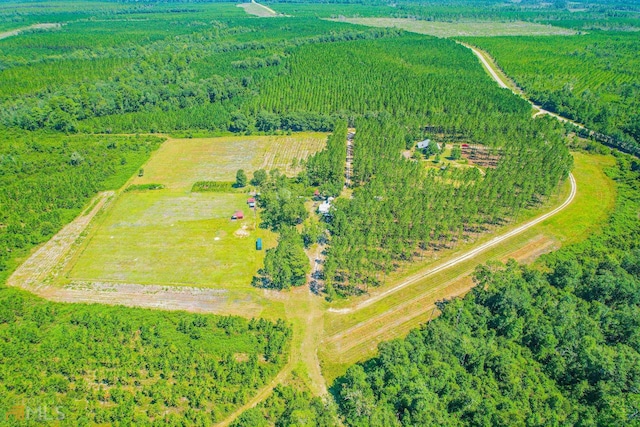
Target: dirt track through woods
<point>18,31</point>
<point>492,70</point>
<point>464,256</point>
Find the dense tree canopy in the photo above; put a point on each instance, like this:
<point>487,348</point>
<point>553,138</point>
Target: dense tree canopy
<point>524,347</point>
<point>592,79</point>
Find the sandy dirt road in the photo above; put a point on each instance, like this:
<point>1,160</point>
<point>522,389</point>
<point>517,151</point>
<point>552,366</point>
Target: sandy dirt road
<point>18,31</point>
<point>463,257</point>
<point>492,70</point>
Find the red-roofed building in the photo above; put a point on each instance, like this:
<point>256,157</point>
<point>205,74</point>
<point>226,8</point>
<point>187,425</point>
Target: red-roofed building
<point>251,202</point>
<point>238,215</point>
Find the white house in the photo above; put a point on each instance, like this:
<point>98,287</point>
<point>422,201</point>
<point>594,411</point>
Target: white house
<point>424,144</point>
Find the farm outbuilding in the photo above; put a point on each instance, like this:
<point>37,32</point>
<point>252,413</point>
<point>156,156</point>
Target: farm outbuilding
<point>237,215</point>
<point>325,206</point>
<point>251,202</point>
<point>259,244</point>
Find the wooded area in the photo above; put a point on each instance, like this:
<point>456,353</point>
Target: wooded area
<point>556,343</point>
<point>592,79</point>
<point>98,364</point>
<point>529,346</point>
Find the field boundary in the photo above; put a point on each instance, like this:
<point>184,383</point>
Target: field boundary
<point>34,272</point>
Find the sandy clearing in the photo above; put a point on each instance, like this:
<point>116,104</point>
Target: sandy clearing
<point>258,9</point>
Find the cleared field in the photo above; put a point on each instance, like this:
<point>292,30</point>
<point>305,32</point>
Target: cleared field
<point>459,29</point>
<point>353,337</point>
<point>258,10</point>
<point>175,237</point>
<point>181,162</point>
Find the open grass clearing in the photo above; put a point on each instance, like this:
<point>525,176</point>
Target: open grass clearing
<point>169,238</point>
<point>175,237</point>
<point>462,28</point>
<point>179,163</point>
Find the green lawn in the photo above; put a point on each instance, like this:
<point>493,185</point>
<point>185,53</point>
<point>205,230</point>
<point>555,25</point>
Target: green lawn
<point>167,237</point>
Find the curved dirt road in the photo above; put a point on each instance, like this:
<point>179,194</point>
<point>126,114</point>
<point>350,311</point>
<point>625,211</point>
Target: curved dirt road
<point>464,256</point>
<point>18,31</point>
<point>492,72</point>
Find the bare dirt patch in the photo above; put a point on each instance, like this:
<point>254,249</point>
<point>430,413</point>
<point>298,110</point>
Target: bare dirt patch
<point>481,156</point>
<point>35,271</point>
<point>258,10</point>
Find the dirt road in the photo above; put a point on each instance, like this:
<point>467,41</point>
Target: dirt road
<point>348,173</point>
<point>463,257</point>
<point>29,28</point>
<point>492,69</point>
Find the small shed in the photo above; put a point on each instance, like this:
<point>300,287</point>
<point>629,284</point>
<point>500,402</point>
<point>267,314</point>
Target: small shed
<point>259,244</point>
<point>237,215</point>
<point>251,202</point>
<point>324,207</point>
<point>316,193</point>
<point>465,145</point>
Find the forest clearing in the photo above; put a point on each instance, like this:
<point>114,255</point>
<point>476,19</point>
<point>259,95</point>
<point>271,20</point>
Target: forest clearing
<point>257,9</point>
<point>177,237</point>
<point>462,29</point>
<point>350,333</point>
<point>383,214</point>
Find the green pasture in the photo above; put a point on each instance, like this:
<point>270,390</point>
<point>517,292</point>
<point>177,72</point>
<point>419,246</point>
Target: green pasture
<point>172,236</point>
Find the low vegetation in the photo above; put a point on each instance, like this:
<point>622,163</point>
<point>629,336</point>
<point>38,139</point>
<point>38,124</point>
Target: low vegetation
<point>290,405</point>
<point>213,187</point>
<point>46,180</point>
<point>145,187</point>
<point>463,28</point>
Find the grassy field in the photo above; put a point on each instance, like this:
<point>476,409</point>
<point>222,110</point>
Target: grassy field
<point>458,29</point>
<point>175,237</point>
<point>181,162</point>
<point>353,337</point>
